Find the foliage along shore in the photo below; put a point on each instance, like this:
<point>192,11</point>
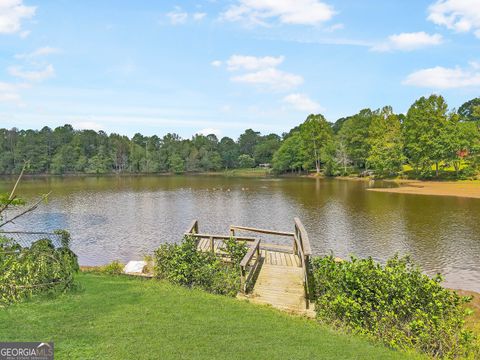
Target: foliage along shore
<point>429,141</point>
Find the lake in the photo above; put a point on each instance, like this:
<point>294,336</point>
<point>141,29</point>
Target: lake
<point>126,217</point>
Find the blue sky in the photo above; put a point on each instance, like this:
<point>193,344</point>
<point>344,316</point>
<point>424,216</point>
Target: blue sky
<point>224,66</point>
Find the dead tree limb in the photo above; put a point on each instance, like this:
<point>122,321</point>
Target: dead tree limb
<point>31,208</point>
<point>12,194</point>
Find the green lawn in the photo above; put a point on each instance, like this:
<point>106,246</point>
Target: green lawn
<point>253,172</point>
<point>126,318</point>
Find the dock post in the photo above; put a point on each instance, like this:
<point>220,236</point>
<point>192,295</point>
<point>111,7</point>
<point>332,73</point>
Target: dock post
<point>242,280</point>
<point>212,246</point>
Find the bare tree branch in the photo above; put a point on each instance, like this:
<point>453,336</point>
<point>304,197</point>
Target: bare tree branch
<point>18,180</point>
<point>31,208</point>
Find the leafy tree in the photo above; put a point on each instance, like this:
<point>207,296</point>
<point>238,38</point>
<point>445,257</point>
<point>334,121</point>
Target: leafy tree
<point>246,161</point>
<point>354,135</point>
<point>341,157</point>
<point>463,141</point>
<point>315,134</point>
<point>290,155</point>
<point>247,142</point>
<point>385,140</point>
<point>229,152</point>
<point>176,164</point>
<point>265,148</point>
<point>426,133</point>
<point>470,110</point>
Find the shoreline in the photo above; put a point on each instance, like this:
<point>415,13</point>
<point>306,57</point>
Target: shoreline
<point>460,188</point>
<point>456,188</point>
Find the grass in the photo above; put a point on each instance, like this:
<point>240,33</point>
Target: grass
<point>253,172</point>
<point>117,317</point>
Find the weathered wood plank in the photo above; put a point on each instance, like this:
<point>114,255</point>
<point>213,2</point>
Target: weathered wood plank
<point>288,260</point>
<point>261,231</point>
<point>281,287</point>
<point>222,237</point>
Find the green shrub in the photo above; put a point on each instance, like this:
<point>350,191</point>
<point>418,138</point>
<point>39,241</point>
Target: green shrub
<point>182,264</point>
<point>395,303</point>
<point>236,250</point>
<point>113,268</point>
<point>40,268</point>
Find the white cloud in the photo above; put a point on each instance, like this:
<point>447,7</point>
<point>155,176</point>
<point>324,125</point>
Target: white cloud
<point>335,27</point>
<point>261,71</point>
<point>43,51</point>
<point>199,16</point>
<point>458,15</point>
<point>242,62</point>
<point>208,131</point>
<point>303,103</point>
<point>177,16</point>
<point>216,63</point>
<point>8,93</point>
<point>37,76</point>
<point>11,92</point>
<point>272,78</point>
<point>409,41</point>
<point>12,12</point>
<point>444,78</point>
<point>298,12</point>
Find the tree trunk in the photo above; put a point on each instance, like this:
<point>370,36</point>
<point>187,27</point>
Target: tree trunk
<point>436,169</point>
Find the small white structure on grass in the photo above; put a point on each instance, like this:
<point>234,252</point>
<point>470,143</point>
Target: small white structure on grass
<point>134,267</point>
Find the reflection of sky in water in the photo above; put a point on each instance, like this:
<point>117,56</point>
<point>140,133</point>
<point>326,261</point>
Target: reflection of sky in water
<point>125,218</point>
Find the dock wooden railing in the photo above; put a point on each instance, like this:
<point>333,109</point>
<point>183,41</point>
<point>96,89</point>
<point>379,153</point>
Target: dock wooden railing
<point>193,228</point>
<point>247,268</point>
<point>304,251</point>
<point>261,231</point>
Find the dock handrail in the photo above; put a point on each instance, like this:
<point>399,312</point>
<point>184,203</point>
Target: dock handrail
<point>302,235</point>
<point>247,272</point>
<point>304,251</point>
<point>261,231</point>
<point>193,228</point>
<point>221,237</point>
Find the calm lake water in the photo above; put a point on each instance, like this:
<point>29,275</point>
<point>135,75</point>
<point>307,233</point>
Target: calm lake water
<point>126,217</point>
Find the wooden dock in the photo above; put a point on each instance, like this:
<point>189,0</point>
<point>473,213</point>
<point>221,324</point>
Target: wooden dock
<point>277,275</point>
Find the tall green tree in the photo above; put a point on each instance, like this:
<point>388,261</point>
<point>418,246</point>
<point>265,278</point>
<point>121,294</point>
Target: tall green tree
<point>265,148</point>
<point>316,134</point>
<point>229,152</point>
<point>247,142</point>
<point>426,133</point>
<point>470,110</point>
<point>290,155</point>
<point>354,135</point>
<point>386,142</point>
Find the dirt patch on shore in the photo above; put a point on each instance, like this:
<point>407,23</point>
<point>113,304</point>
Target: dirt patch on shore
<point>467,189</point>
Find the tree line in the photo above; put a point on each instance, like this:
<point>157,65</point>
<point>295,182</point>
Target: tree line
<point>428,139</point>
<point>64,150</point>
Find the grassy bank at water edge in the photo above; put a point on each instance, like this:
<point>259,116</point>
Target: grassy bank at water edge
<point>117,317</point>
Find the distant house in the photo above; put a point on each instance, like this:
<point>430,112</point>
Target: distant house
<point>265,166</point>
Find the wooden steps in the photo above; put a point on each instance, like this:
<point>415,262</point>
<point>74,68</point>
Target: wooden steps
<point>280,284</point>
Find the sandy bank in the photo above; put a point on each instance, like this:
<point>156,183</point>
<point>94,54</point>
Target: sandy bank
<point>467,189</point>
